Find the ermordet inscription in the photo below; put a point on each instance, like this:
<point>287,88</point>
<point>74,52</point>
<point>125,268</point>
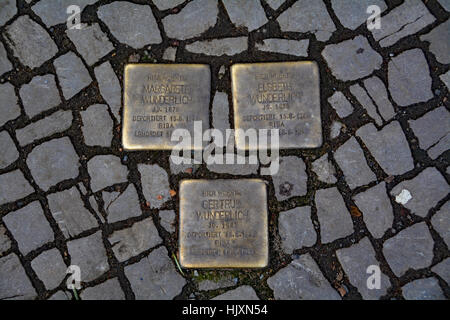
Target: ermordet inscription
<point>160,98</point>
<point>281,95</point>
<point>223,224</point>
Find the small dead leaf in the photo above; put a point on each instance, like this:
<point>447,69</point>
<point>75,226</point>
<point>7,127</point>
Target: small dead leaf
<point>188,170</point>
<point>389,179</point>
<point>159,197</point>
<point>355,212</point>
<point>342,291</point>
<point>172,193</point>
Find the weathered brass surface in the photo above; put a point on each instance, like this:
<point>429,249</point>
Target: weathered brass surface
<point>159,98</point>
<point>223,224</point>
<point>279,95</point>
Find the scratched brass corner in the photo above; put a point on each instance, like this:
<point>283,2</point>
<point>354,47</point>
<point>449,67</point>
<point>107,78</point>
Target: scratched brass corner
<point>160,98</point>
<point>223,224</point>
<point>278,95</point>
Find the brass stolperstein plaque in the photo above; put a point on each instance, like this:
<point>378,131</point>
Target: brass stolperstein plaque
<point>278,95</point>
<point>159,98</point>
<point>223,224</point>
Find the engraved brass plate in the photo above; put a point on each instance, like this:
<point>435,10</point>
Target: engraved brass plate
<point>159,98</point>
<point>279,95</point>
<point>223,224</point>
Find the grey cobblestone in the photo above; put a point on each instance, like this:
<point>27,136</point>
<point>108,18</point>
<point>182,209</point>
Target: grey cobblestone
<point>16,286</point>
<point>5,241</point>
<point>167,220</point>
<point>13,186</point>
<point>122,206</point>
<point>238,12</point>
<point>423,289</point>
<point>438,42</point>
<point>324,169</point>
<point>29,220</point>
<point>410,248</point>
<point>53,162</point>
<point>7,10</point>
<point>109,87</point>
<point>53,13</point>
<point>364,99</point>
<point>57,122</point>
<point>50,268</point>
<point>441,222</point>
<point>108,290</point>
<point>285,46</point>
<point>130,242</point>
<point>105,171</point>
<point>296,229</point>
<point>144,29</point>
<point>240,293</point>
<point>155,184</point>
<point>154,277</point>
<point>340,103</point>
<point>5,64</point>
<point>97,126</point>
<point>377,91</point>
<point>9,100</point>
<point>219,47</point>
<point>31,44</point>
<point>40,94</point>
<point>353,13</point>
<point>288,185</point>
<point>443,270</point>
<point>10,153</point>
<point>72,74</point>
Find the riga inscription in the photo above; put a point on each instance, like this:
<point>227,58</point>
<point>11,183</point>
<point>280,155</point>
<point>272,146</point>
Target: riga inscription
<point>223,224</point>
<point>160,98</point>
<point>279,95</point>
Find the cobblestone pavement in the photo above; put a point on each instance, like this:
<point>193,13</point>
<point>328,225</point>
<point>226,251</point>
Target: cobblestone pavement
<point>375,193</point>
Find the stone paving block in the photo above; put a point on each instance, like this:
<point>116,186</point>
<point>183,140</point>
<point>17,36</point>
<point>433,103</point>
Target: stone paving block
<point>402,21</point>
<point>275,4</point>
<point>224,282</point>
<point>106,170</point>
<point>445,4</point>
<point>423,289</point>
<point>155,184</point>
<point>364,99</point>
<point>352,13</point>
<point>324,169</point>
<point>90,255</point>
<point>236,168</point>
<point>55,12</point>
<point>355,260</point>
<point>72,74</point>
<point>388,146</point>
<point>441,222</point>
<point>154,277</point>
<point>376,208</point>
<point>170,54</point>
<point>426,189</point>
<point>442,269</point>
<point>247,14</point>
<point>69,212</point>
<point>13,186</point>
<point>285,46</point>
<point>167,4</point>
<point>410,248</point>
<point>219,47</point>
<point>296,229</point>
<point>186,24</point>
<point>438,39</point>
<point>7,10</point>
<point>30,43</point>
<point>9,105</point>
<point>29,220</point>
<point>220,110</point>
<point>167,220</point>
<point>97,126</point>
<point>122,206</point>
<point>240,293</point>
<point>301,280</point>
<point>287,184</point>
<point>91,42</point>
<point>144,29</point>
<point>351,160</point>
<point>52,162</point>
<point>352,59</point>
<point>130,242</point>
<point>340,103</point>
<point>307,16</point>
<point>334,218</point>
<point>40,94</point>
<point>108,290</point>
<point>109,87</point>
<point>5,64</point>
<point>5,242</point>
<point>9,153</point>
<point>182,167</point>
<point>445,78</point>
<point>50,268</point>
<point>16,285</point>
<point>409,78</point>
<point>377,91</point>
<point>57,122</point>
<point>60,296</point>
<point>432,131</point>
